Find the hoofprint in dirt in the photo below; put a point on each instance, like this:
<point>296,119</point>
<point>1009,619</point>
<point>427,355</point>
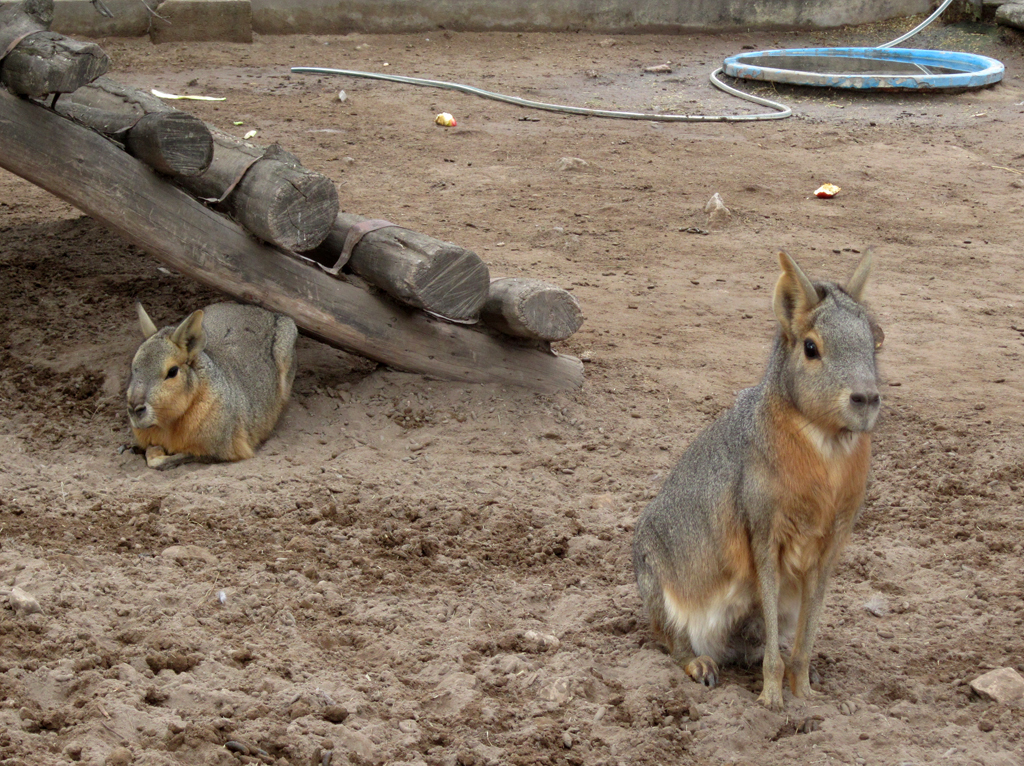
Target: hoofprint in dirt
<point>416,571</point>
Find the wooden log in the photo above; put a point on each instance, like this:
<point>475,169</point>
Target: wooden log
<point>174,143</point>
<point>232,157</point>
<point>530,308</point>
<point>18,20</point>
<point>88,171</point>
<point>170,141</point>
<point>331,253</point>
<point>23,31</point>
<point>269,192</point>
<point>417,269</point>
<point>46,62</point>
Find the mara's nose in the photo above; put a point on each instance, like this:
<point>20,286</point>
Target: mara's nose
<point>865,399</point>
<point>139,409</point>
<point>136,397</point>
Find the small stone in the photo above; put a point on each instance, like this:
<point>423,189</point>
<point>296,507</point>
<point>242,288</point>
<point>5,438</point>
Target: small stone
<point>22,603</point>
<point>335,713</point>
<point>718,214</point>
<point>986,725</point>
<point>658,69</point>
<point>183,553</point>
<point>1002,685</point>
<point>119,756</point>
<point>566,740</point>
<point>877,606</point>
<point>532,641</point>
<point>342,96</point>
<point>558,691</point>
<point>572,163</point>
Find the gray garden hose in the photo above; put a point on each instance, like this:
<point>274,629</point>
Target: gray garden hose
<point>781,112</point>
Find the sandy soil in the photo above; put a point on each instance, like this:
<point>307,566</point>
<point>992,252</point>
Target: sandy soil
<point>413,571</point>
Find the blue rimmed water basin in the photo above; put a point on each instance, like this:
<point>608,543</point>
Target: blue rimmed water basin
<point>888,68</point>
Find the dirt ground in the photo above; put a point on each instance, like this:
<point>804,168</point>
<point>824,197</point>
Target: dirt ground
<point>412,571</point>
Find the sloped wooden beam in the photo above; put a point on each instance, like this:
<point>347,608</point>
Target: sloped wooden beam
<point>106,183</point>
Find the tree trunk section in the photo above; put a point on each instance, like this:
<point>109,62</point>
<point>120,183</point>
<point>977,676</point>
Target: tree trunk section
<point>46,62</point>
<point>17,21</point>
<point>170,141</point>
<point>530,308</point>
<point>417,269</point>
<point>268,192</point>
<point>89,172</point>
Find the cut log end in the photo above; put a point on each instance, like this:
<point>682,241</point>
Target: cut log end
<point>291,208</point>
<point>530,308</point>
<point>47,62</point>
<point>453,284</point>
<point>421,271</point>
<point>173,143</point>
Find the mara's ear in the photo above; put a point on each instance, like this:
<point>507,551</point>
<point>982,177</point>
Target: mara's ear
<point>794,294</point>
<point>877,334</point>
<point>148,328</point>
<point>855,287</point>
<point>189,335</point>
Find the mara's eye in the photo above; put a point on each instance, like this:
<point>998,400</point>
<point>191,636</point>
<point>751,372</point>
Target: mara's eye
<point>172,372</point>
<point>811,349</point>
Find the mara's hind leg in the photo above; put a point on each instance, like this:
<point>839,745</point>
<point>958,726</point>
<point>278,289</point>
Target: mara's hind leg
<point>701,668</point>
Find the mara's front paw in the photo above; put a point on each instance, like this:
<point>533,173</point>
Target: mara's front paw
<point>799,678</point>
<point>157,458</point>
<point>807,693</point>
<point>771,697</point>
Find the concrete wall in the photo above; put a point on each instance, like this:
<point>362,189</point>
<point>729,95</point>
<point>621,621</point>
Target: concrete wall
<point>237,19</point>
<point>612,16</point>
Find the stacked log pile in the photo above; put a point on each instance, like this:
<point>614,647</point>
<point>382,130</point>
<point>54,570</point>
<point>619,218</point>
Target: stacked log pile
<point>253,222</point>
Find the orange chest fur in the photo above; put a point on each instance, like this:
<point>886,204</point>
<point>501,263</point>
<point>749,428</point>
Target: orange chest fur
<point>185,433</point>
<point>820,483</point>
